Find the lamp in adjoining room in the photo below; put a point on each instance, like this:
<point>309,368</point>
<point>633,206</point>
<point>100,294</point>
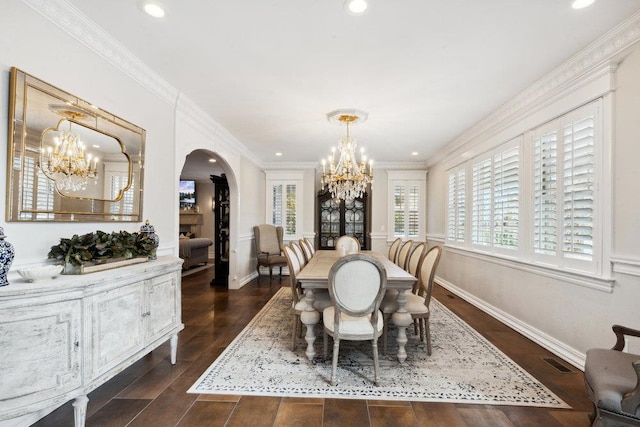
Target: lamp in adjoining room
<point>345,177</point>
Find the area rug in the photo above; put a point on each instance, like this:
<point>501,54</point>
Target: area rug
<point>464,367</point>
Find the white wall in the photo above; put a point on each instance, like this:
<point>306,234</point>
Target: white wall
<point>98,70</point>
<point>565,315</point>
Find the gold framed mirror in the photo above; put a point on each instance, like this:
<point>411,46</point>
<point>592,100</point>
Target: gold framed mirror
<point>69,160</point>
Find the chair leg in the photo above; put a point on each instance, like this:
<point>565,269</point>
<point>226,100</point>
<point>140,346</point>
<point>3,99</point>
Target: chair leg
<point>336,351</point>
<point>374,345</point>
<point>427,331</point>
<point>325,337</point>
<point>294,335</point>
<point>421,323</point>
<point>270,272</point>
<point>415,326</point>
<point>385,331</point>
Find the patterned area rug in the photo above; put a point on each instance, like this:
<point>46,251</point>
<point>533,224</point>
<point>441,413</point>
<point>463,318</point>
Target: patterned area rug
<point>464,366</point>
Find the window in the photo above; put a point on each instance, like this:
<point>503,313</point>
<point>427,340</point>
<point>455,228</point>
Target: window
<point>284,202</point>
<point>407,193</point>
<point>36,183</point>
<point>544,182</point>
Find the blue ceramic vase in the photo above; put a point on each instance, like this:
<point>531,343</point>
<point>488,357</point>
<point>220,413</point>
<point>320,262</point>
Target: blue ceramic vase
<point>6,258</point>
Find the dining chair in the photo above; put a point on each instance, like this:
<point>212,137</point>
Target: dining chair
<point>417,304</point>
<point>310,245</point>
<point>393,249</point>
<point>305,250</point>
<point>268,239</point>
<point>356,286</point>
<point>347,245</point>
<point>298,251</point>
<point>612,378</point>
<point>403,254</point>
<point>321,301</point>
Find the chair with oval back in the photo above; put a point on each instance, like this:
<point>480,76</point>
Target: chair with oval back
<point>356,286</point>
<point>347,245</point>
<point>393,249</point>
<point>310,245</point>
<point>298,251</point>
<point>403,254</point>
<point>305,250</point>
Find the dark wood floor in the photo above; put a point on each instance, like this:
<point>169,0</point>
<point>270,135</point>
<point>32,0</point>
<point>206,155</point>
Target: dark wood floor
<point>153,393</point>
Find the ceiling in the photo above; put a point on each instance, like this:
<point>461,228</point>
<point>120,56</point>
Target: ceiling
<point>424,70</point>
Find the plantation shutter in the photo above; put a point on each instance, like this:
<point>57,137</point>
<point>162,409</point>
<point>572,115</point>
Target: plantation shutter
<point>276,205</point>
<point>545,177</point>
<point>413,208</point>
<point>506,198</point>
<point>578,179</point>
<point>456,206</point>
<point>399,204</point>
<point>481,203</point>
<point>290,210</point>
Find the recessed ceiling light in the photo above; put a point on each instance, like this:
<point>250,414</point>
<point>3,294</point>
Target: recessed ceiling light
<point>279,154</point>
<point>414,153</point>
<point>356,7</point>
<point>153,8</point>
<point>579,4</point>
<point>212,160</point>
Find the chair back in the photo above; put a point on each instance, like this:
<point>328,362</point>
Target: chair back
<point>347,245</point>
<point>413,262</point>
<point>403,254</point>
<point>268,239</point>
<point>310,245</point>
<point>357,283</point>
<point>298,251</point>
<point>294,268</point>
<point>393,249</point>
<point>306,250</point>
<point>428,272</point>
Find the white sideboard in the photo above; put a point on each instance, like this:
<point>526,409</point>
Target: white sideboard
<point>62,338</point>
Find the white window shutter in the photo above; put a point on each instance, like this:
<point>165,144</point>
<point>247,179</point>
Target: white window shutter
<point>545,177</point>
<point>456,213</point>
<point>481,203</point>
<point>506,198</point>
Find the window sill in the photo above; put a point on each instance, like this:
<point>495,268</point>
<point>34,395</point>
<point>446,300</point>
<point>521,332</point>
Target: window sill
<point>591,281</point>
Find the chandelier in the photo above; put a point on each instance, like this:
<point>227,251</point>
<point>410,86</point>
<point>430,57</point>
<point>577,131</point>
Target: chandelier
<point>346,179</point>
<point>66,163</point>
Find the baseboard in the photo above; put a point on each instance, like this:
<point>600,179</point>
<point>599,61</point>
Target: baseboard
<point>558,348</point>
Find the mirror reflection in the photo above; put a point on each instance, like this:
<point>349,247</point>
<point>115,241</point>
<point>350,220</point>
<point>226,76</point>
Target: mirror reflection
<point>69,160</point>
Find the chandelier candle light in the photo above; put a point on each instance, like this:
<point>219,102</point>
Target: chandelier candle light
<point>347,179</point>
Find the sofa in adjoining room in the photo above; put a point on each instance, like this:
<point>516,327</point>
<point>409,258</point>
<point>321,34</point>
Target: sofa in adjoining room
<point>194,251</point>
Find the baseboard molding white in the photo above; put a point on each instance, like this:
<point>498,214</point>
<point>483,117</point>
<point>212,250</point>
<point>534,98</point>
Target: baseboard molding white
<point>558,348</point>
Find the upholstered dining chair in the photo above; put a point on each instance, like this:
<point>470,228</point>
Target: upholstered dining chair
<point>393,249</point>
<point>417,304</point>
<point>403,254</point>
<point>356,286</point>
<point>298,250</point>
<point>310,245</point>
<point>268,240</point>
<point>347,245</point>
<point>305,250</point>
<point>321,301</point>
<point>612,378</point>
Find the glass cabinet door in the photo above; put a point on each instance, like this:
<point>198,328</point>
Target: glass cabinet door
<point>354,214</point>
<point>337,218</point>
<point>329,223</point>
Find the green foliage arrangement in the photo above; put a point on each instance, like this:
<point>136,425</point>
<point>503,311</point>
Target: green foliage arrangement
<point>100,246</point>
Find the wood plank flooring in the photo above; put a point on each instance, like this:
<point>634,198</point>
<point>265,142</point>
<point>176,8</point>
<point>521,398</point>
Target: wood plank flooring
<point>153,393</point>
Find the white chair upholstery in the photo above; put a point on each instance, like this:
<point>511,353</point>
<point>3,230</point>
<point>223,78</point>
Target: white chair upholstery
<point>310,245</point>
<point>417,304</point>
<point>347,245</point>
<point>306,250</point>
<point>356,286</point>
<point>322,299</point>
<point>296,248</point>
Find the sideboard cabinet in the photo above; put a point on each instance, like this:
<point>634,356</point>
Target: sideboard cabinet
<point>62,338</point>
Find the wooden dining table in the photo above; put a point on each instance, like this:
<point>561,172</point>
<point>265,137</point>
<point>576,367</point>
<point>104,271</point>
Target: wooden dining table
<point>315,275</point>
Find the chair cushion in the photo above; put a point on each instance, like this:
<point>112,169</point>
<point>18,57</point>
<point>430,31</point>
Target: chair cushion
<point>610,375</point>
<point>350,325</point>
<point>415,303</point>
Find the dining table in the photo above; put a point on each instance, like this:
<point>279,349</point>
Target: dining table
<point>315,275</point>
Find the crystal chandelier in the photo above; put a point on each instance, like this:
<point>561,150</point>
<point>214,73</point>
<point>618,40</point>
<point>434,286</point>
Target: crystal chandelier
<point>67,164</point>
<point>347,179</point>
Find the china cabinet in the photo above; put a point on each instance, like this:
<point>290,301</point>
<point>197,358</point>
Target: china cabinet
<point>62,338</point>
<point>339,218</point>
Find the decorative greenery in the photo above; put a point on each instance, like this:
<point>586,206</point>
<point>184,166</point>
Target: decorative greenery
<point>100,246</point>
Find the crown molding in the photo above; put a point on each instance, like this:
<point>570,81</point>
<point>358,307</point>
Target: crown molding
<point>68,18</point>
<point>289,165</point>
<point>400,165</point>
<point>610,47</point>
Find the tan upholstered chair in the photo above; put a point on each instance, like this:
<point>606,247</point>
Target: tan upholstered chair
<point>321,296</point>
<point>299,253</point>
<point>393,249</point>
<point>356,285</point>
<point>269,248</point>
<point>347,245</point>
<point>306,249</point>
<point>417,304</point>
<point>403,254</point>
<point>310,245</point>
<point>612,378</point>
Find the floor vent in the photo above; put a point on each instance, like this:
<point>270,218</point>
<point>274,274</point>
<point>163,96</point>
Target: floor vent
<point>559,366</point>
